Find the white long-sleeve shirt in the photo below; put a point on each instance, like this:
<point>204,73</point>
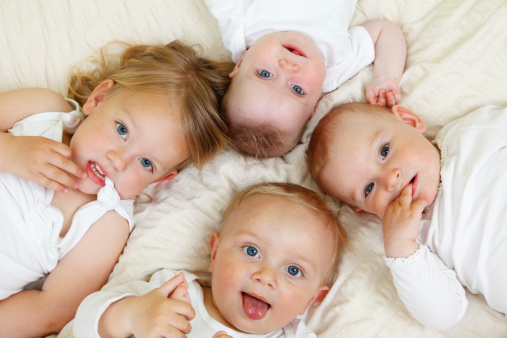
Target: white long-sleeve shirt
<point>203,325</point>
<point>465,241</point>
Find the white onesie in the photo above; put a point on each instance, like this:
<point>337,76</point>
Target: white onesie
<point>30,245</point>
<point>345,51</point>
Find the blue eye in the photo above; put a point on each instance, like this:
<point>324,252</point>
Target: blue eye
<point>298,90</point>
<point>384,151</point>
<point>264,73</point>
<point>294,271</point>
<point>251,251</point>
<point>368,189</point>
<point>146,163</point>
<point>121,129</point>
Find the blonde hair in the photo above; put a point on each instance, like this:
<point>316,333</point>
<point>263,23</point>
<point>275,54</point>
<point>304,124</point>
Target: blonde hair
<point>325,132</point>
<point>307,198</point>
<point>256,140</point>
<point>176,71</point>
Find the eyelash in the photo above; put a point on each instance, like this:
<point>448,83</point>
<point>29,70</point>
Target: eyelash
<point>384,152</point>
<point>296,89</point>
<point>119,126</point>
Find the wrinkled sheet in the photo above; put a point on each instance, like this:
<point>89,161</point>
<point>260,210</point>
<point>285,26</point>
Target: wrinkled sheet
<point>457,62</point>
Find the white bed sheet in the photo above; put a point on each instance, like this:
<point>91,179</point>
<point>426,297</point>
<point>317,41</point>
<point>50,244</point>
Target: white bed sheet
<point>457,62</point>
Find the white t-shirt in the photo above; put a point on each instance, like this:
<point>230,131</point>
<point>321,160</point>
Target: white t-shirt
<point>203,325</point>
<point>465,241</point>
<point>326,22</point>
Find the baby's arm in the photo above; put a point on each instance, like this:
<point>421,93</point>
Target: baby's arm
<point>35,158</point>
<point>390,55</point>
<point>83,270</point>
<point>428,288</point>
<point>162,312</point>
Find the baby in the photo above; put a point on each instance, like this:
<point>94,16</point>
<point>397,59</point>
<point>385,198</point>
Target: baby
<point>443,213</point>
<point>289,53</point>
<point>276,254</point>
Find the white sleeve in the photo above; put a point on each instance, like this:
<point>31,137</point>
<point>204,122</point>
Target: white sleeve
<point>230,17</point>
<point>429,289</point>
<point>87,318</point>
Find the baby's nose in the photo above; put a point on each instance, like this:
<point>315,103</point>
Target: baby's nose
<point>392,179</point>
<point>287,65</point>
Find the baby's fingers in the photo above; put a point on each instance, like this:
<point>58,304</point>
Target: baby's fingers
<point>221,334</point>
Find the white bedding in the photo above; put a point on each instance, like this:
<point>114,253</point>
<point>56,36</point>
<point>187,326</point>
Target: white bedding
<point>457,62</point>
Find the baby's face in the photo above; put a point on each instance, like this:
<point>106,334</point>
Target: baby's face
<point>278,81</point>
<point>269,263</point>
<point>373,157</point>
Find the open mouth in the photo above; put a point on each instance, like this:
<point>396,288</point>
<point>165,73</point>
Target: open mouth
<point>414,184</point>
<point>95,173</point>
<point>294,50</point>
<point>255,307</point>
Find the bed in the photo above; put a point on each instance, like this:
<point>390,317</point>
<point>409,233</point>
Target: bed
<point>457,62</point>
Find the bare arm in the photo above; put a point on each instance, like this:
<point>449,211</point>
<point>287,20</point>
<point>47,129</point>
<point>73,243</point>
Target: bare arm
<point>35,158</point>
<point>83,270</point>
<point>390,55</point>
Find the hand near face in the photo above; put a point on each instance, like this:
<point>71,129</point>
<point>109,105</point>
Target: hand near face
<point>41,160</point>
<point>401,224</point>
<point>383,92</point>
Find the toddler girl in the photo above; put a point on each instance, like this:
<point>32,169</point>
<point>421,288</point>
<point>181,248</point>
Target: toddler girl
<point>145,121</point>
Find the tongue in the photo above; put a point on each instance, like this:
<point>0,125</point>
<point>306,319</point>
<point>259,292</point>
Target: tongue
<point>254,308</point>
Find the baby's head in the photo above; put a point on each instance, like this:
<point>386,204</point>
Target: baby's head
<point>277,253</point>
<point>365,155</point>
<point>164,105</point>
<point>274,90</point>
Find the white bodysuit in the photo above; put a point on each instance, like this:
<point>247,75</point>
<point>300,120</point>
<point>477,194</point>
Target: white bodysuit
<point>30,245</point>
<point>203,325</point>
<point>326,22</point>
<point>464,237</point>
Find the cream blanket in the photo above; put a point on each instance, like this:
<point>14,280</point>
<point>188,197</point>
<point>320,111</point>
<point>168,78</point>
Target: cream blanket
<point>457,62</point>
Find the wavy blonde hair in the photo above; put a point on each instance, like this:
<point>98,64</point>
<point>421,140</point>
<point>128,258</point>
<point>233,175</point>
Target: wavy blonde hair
<point>309,199</point>
<point>174,70</point>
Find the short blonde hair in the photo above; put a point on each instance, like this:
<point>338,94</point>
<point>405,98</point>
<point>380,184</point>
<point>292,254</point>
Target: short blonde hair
<point>174,70</point>
<point>307,198</point>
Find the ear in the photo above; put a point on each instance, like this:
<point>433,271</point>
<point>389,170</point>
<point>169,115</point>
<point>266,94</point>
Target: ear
<point>213,247</point>
<point>409,117</point>
<point>97,96</point>
<point>236,67</point>
<point>168,177</point>
<point>317,297</point>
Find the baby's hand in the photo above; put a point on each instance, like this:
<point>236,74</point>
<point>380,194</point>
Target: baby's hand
<point>158,313</point>
<point>221,334</point>
<point>383,92</point>
<point>43,161</point>
<point>401,224</point>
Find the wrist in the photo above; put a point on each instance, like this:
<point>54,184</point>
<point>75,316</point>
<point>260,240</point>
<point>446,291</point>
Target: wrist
<point>400,248</point>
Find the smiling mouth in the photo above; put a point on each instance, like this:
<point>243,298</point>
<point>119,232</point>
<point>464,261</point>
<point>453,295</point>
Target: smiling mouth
<point>95,173</point>
<point>254,307</point>
<point>295,50</point>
